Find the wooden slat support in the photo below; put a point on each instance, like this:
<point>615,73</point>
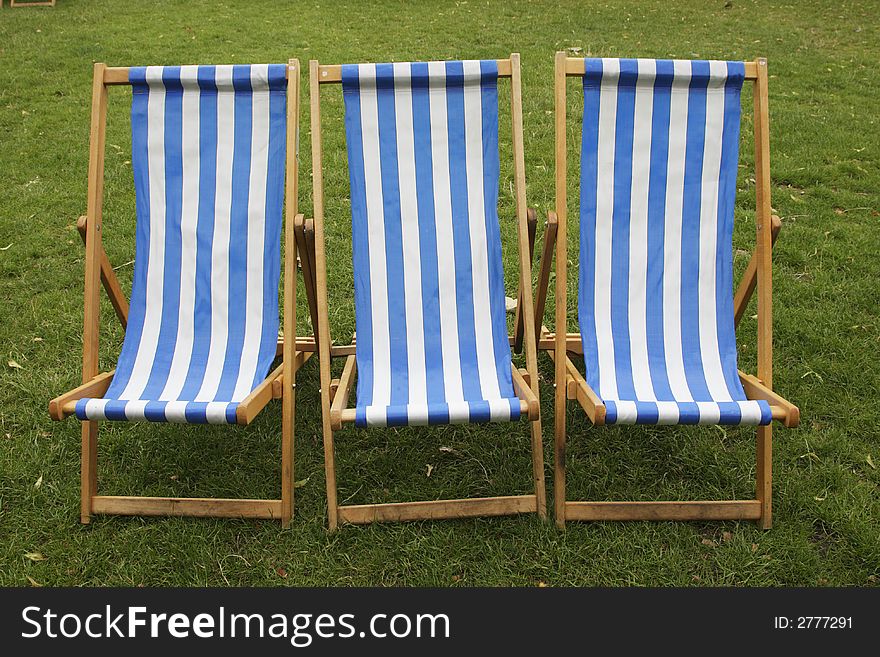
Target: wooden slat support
<point>438,510</point>
<point>186,506</point>
<point>65,405</point>
<point>750,277</point>
<point>691,510</point>
<point>108,278</point>
<point>343,391</point>
<point>577,388</point>
<point>524,392</point>
<point>304,232</point>
<point>518,332</point>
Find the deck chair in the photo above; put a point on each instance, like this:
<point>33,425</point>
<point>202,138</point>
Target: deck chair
<point>656,307</point>
<point>209,150</point>
<point>431,338</point>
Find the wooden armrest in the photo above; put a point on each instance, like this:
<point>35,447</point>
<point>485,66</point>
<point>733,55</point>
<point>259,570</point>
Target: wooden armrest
<point>781,408</point>
<point>65,405</point>
<point>524,392</point>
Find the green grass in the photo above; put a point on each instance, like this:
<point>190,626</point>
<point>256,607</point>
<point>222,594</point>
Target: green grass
<point>824,94</point>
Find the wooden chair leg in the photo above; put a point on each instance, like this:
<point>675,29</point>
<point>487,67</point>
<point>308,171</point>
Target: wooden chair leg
<point>88,470</point>
<point>764,475</point>
<point>559,478</point>
<point>538,468</point>
<point>330,476</point>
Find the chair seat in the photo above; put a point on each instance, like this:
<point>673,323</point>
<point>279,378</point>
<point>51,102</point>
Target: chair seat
<point>462,412</point>
<point>132,410</point>
<point>630,411</point>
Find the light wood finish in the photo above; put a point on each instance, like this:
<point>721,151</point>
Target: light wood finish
<point>782,408</point>
<point>332,73</point>
<point>256,401</point>
<point>108,279</point>
<point>438,510</point>
<point>288,365</point>
<point>577,388</point>
<point>92,301</point>
<point>764,444</point>
<point>757,277</point>
<point>98,271</point>
<point>304,232</point>
<point>64,405</point>
<point>709,510</point>
<point>525,267</point>
<point>517,341</point>
<point>544,272</point>
<point>525,393</point>
<point>186,506</point>
<point>32,3</point>
<point>336,413</point>
<point>323,328</point>
<point>343,391</point>
<point>561,315</point>
<point>750,276</point>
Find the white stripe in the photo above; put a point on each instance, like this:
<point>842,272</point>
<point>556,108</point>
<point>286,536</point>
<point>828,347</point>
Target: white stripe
<point>190,143</point>
<point>135,410</point>
<point>708,318</point>
<point>750,412</point>
<point>710,412</point>
<point>638,234</point>
<point>220,246</point>
<point>376,241</point>
<point>443,221</point>
<point>667,412</point>
<point>376,415</point>
<point>175,411</point>
<point>146,352</point>
<point>96,409</point>
<point>678,114</point>
<point>256,231</point>
<point>499,409</point>
<point>215,412</point>
<point>479,255</point>
<point>409,233</point>
<point>604,215</point>
<point>626,412</point>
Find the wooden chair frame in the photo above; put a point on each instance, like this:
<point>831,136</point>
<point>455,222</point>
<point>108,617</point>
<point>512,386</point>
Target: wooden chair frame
<point>335,393</point>
<point>279,384</point>
<point>570,384</point>
<point>34,3</point>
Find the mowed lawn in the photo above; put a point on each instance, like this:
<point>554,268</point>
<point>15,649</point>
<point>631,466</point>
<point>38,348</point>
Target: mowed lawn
<point>825,130</point>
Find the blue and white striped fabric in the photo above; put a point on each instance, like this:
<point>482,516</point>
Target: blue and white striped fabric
<point>208,152</point>
<point>658,184</point>
<point>432,345</point>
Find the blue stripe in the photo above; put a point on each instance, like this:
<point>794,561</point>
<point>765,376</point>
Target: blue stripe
<point>464,292</point>
<point>202,310</point>
<point>589,181</point>
<point>724,245</point>
<point>141,170</point>
<point>436,390</point>
<point>620,222</point>
<point>238,233</point>
<point>491,173</point>
<point>272,235</point>
<point>173,237</point>
<point>393,233</point>
<point>656,231</point>
<point>690,233</point>
<point>360,237</point>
